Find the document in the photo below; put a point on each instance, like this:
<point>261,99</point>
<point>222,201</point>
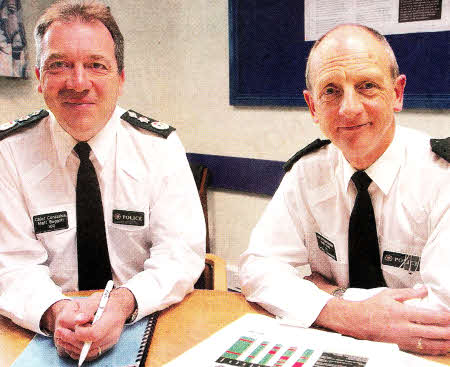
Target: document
<point>259,341</point>
<point>386,16</point>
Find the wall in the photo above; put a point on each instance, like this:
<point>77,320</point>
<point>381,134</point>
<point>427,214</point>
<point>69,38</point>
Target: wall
<point>177,70</point>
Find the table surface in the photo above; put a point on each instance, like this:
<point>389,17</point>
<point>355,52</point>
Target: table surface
<point>179,327</point>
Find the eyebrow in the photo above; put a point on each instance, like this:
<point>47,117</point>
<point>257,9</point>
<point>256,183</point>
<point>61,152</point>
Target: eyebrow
<point>57,56</point>
<point>366,74</point>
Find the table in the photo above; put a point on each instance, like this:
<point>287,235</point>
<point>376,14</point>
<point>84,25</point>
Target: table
<point>179,327</point>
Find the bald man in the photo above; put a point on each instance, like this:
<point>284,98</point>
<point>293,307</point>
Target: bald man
<point>359,208</point>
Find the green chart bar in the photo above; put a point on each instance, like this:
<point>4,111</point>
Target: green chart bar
<point>270,354</point>
<point>257,350</point>
<point>302,360</point>
<point>284,358</point>
<point>238,348</point>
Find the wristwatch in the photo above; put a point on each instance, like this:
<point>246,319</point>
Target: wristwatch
<point>132,317</point>
<point>339,292</point>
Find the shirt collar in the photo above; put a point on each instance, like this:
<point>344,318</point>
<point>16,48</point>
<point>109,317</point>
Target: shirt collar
<point>100,143</point>
<point>384,170</point>
<point>63,141</point>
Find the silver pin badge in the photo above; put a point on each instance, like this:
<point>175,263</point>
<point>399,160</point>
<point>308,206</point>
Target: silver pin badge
<point>160,125</point>
<point>8,125</point>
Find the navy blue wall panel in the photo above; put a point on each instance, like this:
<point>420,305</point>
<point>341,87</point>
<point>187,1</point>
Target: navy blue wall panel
<point>268,57</point>
<point>256,176</point>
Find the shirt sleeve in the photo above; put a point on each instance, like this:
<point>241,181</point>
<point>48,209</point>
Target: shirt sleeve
<point>268,268</point>
<point>177,232</point>
<point>26,290</point>
<point>434,268</point>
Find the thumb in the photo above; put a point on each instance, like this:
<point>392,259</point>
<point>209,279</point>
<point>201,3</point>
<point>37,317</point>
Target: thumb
<point>419,291</point>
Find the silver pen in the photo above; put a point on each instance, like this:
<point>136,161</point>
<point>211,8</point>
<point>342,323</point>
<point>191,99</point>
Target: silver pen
<point>98,314</point>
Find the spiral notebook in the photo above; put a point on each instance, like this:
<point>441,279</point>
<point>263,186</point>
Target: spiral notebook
<point>130,351</point>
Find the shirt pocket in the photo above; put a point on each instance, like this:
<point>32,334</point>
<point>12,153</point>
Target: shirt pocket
<point>53,221</point>
<point>400,261</point>
<point>332,259</point>
<point>55,228</point>
<point>128,241</point>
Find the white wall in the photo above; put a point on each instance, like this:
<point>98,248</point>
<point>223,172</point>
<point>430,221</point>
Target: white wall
<point>176,62</point>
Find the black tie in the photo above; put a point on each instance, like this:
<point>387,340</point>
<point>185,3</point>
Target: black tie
<point>363,251</point>
<point>94,268</point>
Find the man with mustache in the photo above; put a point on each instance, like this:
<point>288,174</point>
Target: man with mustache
<point>368,209</point>
<point>146,231</point>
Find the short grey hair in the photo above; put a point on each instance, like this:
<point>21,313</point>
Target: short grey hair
<point>84,11</point>
<point>395,72</point>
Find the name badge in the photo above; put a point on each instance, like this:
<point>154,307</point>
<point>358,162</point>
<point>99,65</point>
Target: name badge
<point>402,261</point>
<point>326,246</point>
<point>128,218</point>
<point>50,222</point>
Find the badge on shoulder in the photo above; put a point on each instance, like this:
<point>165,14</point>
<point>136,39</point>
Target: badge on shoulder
<point>147,123</point>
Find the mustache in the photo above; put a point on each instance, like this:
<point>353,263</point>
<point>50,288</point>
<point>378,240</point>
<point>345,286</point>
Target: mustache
<point>73,94</point>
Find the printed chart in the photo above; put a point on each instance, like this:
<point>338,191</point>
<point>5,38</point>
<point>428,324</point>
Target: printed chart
<point>252,352</point>
<point>261,341</point>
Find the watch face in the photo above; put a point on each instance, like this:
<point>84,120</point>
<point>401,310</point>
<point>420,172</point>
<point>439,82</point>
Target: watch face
<point>339,292</point>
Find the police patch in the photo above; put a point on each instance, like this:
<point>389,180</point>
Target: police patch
<point>128,218</point>
<point>402,261</point>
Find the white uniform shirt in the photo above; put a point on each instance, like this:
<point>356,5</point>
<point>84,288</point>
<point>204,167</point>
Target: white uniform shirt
<point>137,171</point>
<point>307,221</point>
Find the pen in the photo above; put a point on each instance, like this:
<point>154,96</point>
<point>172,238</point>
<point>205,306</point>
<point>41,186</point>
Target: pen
<point>98,314</point>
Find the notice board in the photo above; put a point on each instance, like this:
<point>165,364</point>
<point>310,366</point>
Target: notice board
<point>268,57</point>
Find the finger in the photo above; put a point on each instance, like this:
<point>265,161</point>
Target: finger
<point>426,346</point>
<point>68,337</point>
<point>67,315</point>
<point>405,294</point>
<point>61,352</point>
<point>67,348</point>
<point>430,331</point>
<point>95,332</point>
<point>96,351</point>
<point>429,317</point>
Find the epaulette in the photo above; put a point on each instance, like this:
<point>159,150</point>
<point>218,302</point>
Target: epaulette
<point>147,123</point>
<point>8,128</point>
<point>441,147</point>
<point>315,145</point>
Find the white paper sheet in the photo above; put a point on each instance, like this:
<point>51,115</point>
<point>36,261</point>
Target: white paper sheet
<point>386,16</point>
<point>257,340</point>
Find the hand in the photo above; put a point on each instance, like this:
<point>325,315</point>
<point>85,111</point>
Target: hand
<point>61,319</point>
<point>106,331</point>
<point>386,318</point>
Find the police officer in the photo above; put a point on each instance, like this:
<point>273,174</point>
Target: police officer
<point>368,209</point>
<point>141,220</point>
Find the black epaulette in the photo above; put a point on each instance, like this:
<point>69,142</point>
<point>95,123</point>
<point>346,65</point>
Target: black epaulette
<point>8,128</point>
<point>315,145</point>
<point>147,123</point>
<point>441,147</point>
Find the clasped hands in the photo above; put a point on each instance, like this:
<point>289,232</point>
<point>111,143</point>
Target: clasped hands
<point>387,317</point>
<point>70,321</point>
